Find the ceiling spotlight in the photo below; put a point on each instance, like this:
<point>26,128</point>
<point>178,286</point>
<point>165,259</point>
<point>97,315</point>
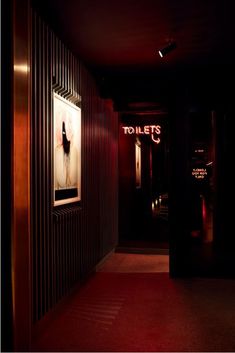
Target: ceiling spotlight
<point>164,51</point>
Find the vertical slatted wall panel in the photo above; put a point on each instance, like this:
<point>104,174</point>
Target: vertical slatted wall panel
<point>68,241</point>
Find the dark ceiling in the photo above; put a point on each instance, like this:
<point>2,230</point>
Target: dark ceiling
<point>119,40</point>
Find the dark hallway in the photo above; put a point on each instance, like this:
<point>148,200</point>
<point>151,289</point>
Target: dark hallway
<point>110,149</point>
<point>143,180</point>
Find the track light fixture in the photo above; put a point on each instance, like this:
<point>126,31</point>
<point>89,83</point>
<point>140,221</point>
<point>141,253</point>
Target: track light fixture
<point>164,51</point>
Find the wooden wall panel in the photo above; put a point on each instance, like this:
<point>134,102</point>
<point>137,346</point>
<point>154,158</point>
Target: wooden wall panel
<point>19,146</point>
<point>68,241</point>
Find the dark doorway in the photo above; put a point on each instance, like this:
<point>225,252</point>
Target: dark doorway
<point>143,181</point>
<point>202,191</point>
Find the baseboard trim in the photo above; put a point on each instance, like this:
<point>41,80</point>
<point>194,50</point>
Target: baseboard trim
<point>150,251</point>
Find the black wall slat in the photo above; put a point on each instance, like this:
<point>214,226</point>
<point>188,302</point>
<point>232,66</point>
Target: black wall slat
<point>68,241</point>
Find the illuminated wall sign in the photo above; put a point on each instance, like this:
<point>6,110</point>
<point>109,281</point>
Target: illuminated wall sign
<point>199,173</point>
<point>151,130</point>
<point>199,150</point>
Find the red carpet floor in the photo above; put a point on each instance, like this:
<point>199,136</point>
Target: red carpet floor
<point>147,312</point>
<point>132,263</point>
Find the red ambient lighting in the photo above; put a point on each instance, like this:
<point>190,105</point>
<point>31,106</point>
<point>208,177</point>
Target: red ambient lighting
<point>144,130</point>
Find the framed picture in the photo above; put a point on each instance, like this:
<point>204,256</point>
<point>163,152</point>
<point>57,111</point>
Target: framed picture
<point>67,151</point>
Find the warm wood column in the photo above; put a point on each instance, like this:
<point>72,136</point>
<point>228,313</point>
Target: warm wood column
<point>21,177</point>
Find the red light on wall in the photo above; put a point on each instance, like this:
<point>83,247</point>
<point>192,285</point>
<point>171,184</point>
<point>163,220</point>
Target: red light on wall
<point>203,209</point>
<point>138,164</point>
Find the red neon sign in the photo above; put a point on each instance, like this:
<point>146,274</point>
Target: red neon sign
<point>144,130</point>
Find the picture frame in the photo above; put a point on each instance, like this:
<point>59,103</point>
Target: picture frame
<point>67,151</point>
